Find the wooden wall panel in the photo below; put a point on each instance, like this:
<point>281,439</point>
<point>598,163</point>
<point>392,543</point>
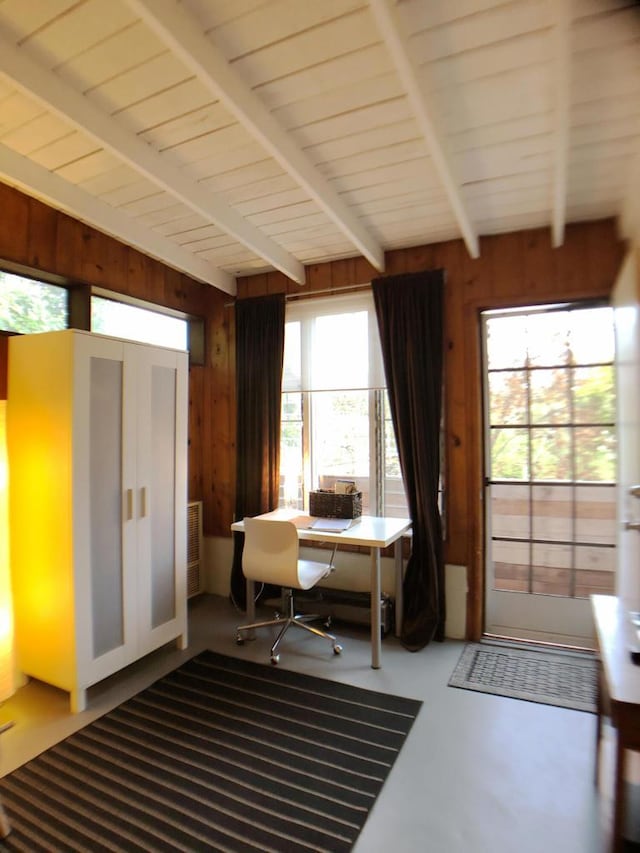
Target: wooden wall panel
<point>4,359</point>
<point>14,226</point>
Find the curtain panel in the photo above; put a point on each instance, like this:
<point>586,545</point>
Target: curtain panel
<point>259,358</point>
<point>409,309</point>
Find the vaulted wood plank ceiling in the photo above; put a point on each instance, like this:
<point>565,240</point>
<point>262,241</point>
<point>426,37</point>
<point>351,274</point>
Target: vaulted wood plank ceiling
<point>227,137</point>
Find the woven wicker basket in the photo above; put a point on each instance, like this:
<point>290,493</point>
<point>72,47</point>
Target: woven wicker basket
<point>330,505</point>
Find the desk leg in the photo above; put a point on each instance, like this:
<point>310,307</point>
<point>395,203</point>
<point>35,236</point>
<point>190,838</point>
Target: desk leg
<point>617,841</point>
<point>397,553</point>
<point>599,714</point>
<point>376,627</point>
<point>251,607</point>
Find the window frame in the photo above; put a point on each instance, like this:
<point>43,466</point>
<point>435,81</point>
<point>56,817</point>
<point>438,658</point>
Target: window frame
<point>79,306</point>
<point>303,311</point>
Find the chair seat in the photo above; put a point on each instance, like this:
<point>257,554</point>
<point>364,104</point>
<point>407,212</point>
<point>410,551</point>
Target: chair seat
<point>310,572</point>
<point>271,555</point>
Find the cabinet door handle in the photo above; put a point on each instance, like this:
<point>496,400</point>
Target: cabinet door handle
<point>129,504</point>
<point>143,502</point>
<point>632,525</point>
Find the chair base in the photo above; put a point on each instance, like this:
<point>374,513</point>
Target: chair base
<point>291,619</point>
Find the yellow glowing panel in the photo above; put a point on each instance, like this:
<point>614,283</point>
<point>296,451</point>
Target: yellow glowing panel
<point>40,431</point>
<point>7,674</point>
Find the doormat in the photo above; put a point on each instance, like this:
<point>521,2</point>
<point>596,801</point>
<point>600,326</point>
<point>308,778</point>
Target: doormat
<point>564,679</point>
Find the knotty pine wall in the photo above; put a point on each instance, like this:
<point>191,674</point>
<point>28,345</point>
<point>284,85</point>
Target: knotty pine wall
<point>513,269</point>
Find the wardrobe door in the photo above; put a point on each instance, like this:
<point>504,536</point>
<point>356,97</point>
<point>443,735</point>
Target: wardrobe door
<point>106,512</point>
<point>105,485</point>
<point>161,496</point>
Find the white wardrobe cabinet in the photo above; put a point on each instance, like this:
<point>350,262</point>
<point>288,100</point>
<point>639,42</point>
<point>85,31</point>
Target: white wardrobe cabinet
<point>97,440</point>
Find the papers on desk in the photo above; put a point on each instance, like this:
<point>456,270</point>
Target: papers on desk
<point>332,525</point>
<point>326,525</point>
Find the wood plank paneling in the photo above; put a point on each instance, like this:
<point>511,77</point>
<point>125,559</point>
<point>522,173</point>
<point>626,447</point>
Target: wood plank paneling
<point>4,354</point>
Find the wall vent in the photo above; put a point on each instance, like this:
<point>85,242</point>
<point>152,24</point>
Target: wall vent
<point>194,548</point>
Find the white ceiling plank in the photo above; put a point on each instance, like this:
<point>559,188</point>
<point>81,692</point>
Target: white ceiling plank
<point>503,57</point>
<point>344,76</point>
<point>562,89</point>
<point>34,134</point>
<point>83,26</point>
<point>244,176</point>
<point>76,108</point>
<point>378,91</point>
<point>36,181</point>
<point>16,110</point>
<point>273,22</point>
<point>232,159</point>
<point>183,35</point>
<point>463,33</point>
<point>90,167</point>
<point>64,151</point>
<point>391,28</point>
<point>419,172</point>
<point>113,56</point>
<point>370,117</point>
<point>27,18</point>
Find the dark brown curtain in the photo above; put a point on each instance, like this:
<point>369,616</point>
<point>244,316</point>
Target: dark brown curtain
<point>409,309</point>
<point>259,356</point>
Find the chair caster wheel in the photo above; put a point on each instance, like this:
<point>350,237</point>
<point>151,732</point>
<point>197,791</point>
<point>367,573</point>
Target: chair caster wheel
<point>327,624</point>
<point>337,650</point>
<point>275,659</point>
<point>239,640</point>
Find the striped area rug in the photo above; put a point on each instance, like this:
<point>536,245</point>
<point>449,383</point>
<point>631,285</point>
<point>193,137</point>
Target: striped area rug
<point>220,755</point>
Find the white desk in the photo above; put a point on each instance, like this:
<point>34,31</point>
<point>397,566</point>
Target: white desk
<point>372,532</point>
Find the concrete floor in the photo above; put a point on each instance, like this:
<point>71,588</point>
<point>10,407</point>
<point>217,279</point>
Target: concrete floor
<point>478,773</point>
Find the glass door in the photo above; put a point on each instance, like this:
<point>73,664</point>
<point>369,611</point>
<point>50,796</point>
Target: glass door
<point>550,463</point>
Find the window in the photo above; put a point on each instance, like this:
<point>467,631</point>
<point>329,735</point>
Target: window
<point>550,418</point>
<point>111,317</point>
<point>27,305</point>
<point>336,421</point>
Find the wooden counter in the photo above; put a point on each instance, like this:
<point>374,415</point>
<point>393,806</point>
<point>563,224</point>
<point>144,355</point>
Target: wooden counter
<point>618,694</point>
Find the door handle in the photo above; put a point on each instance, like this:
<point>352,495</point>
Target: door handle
<point>634,491</point>
<point>129,504</point>
<point>143,502</point>
<point>632,525</point>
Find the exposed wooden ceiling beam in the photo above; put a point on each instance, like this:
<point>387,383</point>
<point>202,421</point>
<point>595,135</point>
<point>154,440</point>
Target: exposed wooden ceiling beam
<point>391,29</point>
<point>562,87</point>
<point>172,23</point>
<point>39,182</point>
<point>57,95</point>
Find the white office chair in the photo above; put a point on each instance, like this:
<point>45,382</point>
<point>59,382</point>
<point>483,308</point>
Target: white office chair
<point>271,555</point>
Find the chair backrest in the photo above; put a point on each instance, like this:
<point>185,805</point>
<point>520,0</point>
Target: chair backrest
<point>270,552</point>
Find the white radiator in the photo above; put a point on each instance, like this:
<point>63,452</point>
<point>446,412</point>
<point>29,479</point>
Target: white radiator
<point>194,548</point>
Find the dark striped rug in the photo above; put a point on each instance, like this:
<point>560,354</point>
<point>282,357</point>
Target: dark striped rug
<point>221,754</point>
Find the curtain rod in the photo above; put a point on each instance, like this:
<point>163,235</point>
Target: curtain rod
<point>314,292</point>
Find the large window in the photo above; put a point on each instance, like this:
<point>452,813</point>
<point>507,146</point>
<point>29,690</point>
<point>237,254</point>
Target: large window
<point>335,413</point>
